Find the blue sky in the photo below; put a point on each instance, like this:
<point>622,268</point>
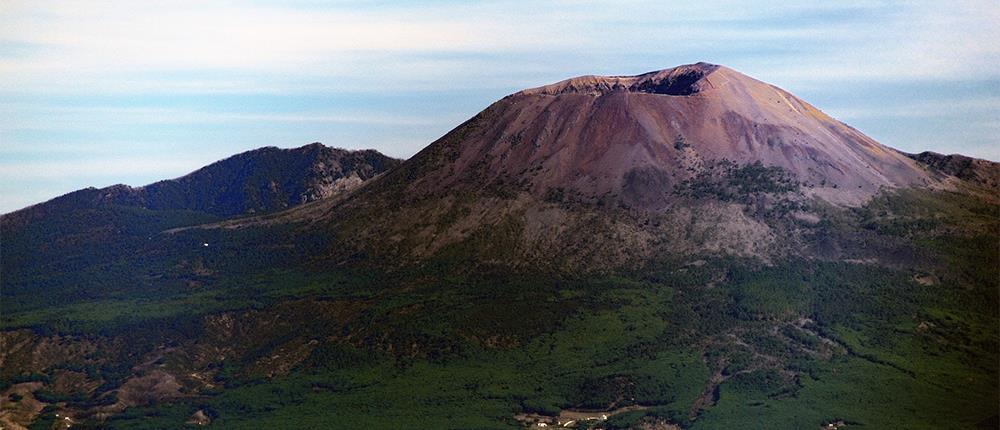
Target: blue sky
<point>94,93</point>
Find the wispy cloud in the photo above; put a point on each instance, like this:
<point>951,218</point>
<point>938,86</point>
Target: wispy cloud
<point>116,45</point>
<point>85,41</point>
<point>41,117</point>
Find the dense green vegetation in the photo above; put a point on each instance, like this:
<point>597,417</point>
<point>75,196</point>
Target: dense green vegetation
<point>907,342</point>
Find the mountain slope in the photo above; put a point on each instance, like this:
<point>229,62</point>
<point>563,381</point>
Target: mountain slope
<point>262,180</point>
<point>636,138</point>
<point>983,173</point>
<point>86,230</point>
<point>684,249</point>
<point>611,172</point>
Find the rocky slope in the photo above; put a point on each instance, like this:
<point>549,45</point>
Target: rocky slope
<point>603,172</point>
<point>983,173</point>
<point>635,139</point>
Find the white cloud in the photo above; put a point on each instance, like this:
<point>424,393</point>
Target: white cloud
<point>922,41</point>
<point>14,116</point>
<point>84,38</point>
<point>121,46</point>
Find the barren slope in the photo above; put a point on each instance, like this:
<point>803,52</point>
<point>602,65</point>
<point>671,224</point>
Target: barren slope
<point>603,172</point>
<point>635,138</point>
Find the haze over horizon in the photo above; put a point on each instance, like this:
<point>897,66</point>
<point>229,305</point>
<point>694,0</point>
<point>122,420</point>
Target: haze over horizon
<point>127,93</point>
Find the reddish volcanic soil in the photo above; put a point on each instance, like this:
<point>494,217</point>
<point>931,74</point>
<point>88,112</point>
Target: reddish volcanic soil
<point>638,136</point>
<point>596,172</point>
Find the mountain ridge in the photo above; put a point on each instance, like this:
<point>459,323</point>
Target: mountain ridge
<point>254,181</point>
<point>523,181</point>
<point>975,170</point>
<point>606,157</point>
<point>681,80</point>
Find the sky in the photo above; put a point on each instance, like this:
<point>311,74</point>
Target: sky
<point>94,93</point>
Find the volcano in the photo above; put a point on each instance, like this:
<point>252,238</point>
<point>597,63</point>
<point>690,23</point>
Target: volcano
<point>635,138</point>
<point>618,170</point>
<point>684,249</point>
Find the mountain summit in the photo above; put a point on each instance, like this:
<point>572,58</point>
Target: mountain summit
<point>637,160</point>
<point>678,81</point>
<point>634,139</point>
